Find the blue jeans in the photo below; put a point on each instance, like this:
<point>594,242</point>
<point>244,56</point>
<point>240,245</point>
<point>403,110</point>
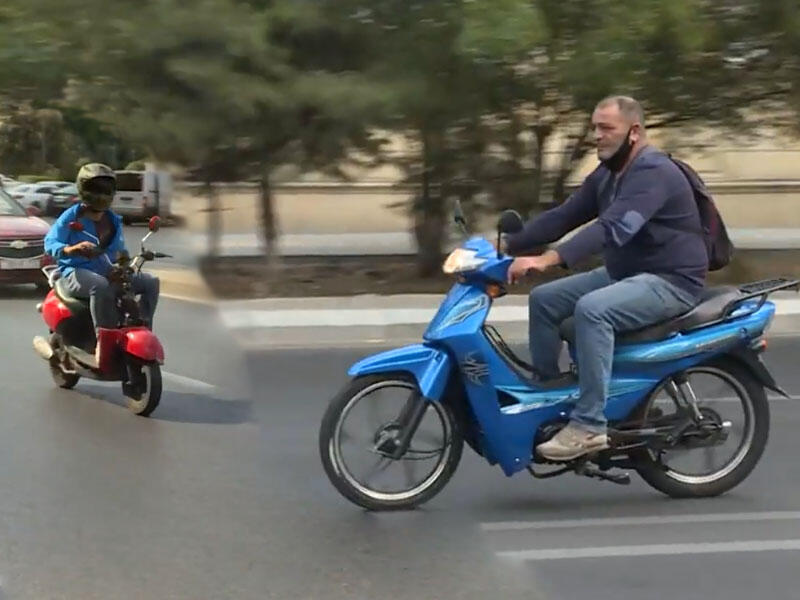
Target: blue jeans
<point>601,307</point>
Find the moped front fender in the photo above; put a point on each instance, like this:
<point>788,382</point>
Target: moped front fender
<point>143,344</point>
<point>430,366</point>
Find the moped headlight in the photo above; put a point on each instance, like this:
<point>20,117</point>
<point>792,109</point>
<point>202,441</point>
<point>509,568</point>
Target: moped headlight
<point>461,260</point>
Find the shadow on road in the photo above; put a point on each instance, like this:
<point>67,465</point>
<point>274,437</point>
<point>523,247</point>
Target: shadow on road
<point>179,407</point>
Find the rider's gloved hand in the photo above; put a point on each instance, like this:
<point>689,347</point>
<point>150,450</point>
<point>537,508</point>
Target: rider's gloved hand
<point>85,248</point>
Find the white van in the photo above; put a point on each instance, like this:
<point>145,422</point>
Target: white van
<point>142,194</point>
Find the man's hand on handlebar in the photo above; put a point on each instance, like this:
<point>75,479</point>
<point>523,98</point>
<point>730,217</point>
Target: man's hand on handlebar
<point>85,248</point>
<point>523,265</point>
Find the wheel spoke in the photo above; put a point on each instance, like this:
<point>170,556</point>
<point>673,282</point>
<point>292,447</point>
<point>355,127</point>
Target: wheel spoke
<point>378,468</point>
<point>408,469</point>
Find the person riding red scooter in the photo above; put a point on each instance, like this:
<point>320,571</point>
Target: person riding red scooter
<point>98,329</point>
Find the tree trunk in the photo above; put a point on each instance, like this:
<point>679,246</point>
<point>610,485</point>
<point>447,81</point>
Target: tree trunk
<point>542,132</point>
<point>269,229</point>
<point>579,150</point>
<point>214,220</point>
<point>428,212</point>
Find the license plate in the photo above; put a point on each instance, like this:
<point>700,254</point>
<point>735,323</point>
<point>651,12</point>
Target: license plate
<point>11,264</point>
<point>126,198</point>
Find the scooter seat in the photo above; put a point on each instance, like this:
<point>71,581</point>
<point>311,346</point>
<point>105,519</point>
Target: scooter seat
<point>75,305</point>
<point>709,310</point>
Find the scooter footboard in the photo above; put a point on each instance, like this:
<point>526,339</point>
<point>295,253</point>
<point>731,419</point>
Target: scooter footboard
<point>430,366</point>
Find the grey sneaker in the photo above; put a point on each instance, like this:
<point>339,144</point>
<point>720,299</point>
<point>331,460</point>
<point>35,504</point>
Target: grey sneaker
<point>572,442</point>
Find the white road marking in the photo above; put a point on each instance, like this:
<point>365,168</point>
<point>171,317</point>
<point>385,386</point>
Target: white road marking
<point>650,550</point>
<point>650,520</point>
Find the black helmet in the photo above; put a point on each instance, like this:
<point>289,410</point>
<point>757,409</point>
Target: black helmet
<point>96,186</point>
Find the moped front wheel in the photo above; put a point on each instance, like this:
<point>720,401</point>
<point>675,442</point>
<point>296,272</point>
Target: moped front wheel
<point>361,443</point>
<point>144,389</point>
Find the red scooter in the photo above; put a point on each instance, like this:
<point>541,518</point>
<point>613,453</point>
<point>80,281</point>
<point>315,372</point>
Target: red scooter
<point>130,353</point>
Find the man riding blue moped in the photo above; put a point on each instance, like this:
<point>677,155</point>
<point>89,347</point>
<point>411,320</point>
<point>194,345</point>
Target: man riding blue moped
<point>666,376</point>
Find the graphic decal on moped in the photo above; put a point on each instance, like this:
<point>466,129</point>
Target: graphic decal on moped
<point>474,369</point>
<point>463,311</point>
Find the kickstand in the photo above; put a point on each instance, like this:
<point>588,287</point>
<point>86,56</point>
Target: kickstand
<point>549,474</point>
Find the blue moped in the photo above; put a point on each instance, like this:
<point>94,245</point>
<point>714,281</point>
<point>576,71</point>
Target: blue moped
<point>687,407</point>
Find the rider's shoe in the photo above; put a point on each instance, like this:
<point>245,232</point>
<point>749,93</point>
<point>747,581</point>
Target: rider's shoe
<point>42,347</point>
<point>572,442</point>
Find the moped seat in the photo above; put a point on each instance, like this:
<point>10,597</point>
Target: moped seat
<point>711,308</point>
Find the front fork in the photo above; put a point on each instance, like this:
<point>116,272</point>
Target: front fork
<point>408,421</point>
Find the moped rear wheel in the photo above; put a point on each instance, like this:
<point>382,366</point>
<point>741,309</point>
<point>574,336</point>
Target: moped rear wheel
<point>726,394</point>
<point>359,433</point>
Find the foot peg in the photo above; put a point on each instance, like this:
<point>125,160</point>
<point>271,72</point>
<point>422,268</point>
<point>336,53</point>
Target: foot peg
<point>589,471</point>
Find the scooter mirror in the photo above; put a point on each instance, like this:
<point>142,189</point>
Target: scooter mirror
<point>510,222</point>
<point>154,224</point>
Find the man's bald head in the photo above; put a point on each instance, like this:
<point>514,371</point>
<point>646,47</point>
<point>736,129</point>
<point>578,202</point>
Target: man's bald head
<point>630,108</point>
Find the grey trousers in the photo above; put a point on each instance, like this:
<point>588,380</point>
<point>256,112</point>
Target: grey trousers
<point>83,283</point>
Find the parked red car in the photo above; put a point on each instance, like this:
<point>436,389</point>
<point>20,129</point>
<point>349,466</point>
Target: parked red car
<point>21,244</point>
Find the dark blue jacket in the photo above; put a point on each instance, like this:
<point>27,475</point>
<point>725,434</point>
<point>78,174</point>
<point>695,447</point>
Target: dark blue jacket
<point>642,218</point>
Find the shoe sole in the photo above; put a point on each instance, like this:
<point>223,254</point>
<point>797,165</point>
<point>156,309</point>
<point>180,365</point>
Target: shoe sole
<point>574,455</point>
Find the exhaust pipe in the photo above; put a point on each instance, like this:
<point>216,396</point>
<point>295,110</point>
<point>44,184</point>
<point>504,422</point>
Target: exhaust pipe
<point>42,347</point>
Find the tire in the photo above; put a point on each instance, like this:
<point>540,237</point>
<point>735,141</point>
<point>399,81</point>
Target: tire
<point>357,492</point>
<point>65,381</point>
<point>667,482</point>
<point>143,402</point>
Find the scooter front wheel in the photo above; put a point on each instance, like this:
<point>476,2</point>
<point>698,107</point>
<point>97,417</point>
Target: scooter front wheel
<point>144,392</point>
<point>362,451</point>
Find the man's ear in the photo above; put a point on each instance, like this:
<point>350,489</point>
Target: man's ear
<point>636,133</point>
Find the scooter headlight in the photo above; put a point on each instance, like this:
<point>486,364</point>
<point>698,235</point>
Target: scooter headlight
<point>461,260</point>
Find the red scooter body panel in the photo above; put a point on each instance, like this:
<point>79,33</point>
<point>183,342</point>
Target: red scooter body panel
<point>142,343</point>
<point>54,311</point>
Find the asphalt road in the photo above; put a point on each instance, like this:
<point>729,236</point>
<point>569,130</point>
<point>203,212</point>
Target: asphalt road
<point>220,494</point>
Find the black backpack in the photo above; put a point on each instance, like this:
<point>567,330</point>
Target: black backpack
<point>718,244</point>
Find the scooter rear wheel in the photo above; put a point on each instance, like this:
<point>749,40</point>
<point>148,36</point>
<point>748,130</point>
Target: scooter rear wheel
<point>433,453</point>
<point>65,381</point>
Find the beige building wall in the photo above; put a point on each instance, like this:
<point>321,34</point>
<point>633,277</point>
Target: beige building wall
<point>755,182</point>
